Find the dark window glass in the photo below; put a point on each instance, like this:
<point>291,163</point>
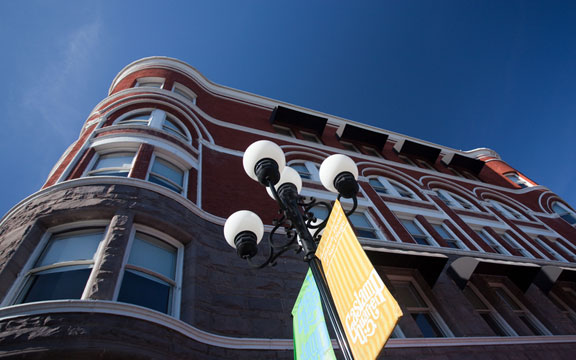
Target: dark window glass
<point>140,289</point>
<point>493,324</point>
<point>530,325</point>
<point>427,325</point>
<point>56,285</point>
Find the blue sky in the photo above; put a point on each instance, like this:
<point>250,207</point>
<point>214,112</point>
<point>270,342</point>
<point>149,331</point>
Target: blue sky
<point>465,74</point>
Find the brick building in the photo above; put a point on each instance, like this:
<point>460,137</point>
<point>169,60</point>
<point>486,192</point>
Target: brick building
<point>121,253</point>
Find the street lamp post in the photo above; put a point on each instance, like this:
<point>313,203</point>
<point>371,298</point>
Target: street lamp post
<point>264,162</point>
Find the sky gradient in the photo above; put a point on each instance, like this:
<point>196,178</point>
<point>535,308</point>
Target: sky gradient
<point>464,74</point>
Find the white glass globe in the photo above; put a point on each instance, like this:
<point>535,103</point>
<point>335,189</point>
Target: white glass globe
<point>334,165</point>
<point>262,149</point>
<point>289,175</point>
<point>243,220</point>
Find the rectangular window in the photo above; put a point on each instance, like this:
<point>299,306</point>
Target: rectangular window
<point>378,186</point>
<point>310,137</point>
<point>63,268</point>
<point>417,233</point>
<point>302,171</point>
<point>167,174</point>
<point>518,180</point>
<point>185,92</point>
<point>487,312</point>
<point>425,164</point>
<point>447,236</point>
<point>514,244</point>
<point>150,274</point>
<point>153,82</point>
<point>113,164</point>
<point>492,242</point>
<point>349,146</point>
<point>283,131</point>
<point>363,226</point>
<point>372,151</point>
<point>414,303</point>
<point>531,322</point>
<point>406,160</point>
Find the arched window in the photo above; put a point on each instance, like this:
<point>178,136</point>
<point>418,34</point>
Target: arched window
<point>454,200</point>
<point>391,187</point>
<point>565,213</point>
<point>307,170</point>
<point>507,211</point>
<point>156,119</point>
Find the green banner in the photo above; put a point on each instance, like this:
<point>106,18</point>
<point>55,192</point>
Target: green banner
<point>311,339</point>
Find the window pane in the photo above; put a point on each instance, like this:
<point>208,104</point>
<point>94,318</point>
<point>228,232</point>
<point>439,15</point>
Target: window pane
<point>137,119</point>
<point>183,93</point>
<point>441,231</point>
<point>378,186</point>
<point>117,160</point>
<point>475,300</point>
<point>427,325</point>
<point>493,324</point>
<point>167,170</point>
<point>154,255</point>
<point>153,84</point>
<point>528,322</point>
<point>302,170</point>
<point>402,191</point>
<point>70,247</point>
<point>507,299</point>
<point>140,289</point>
<point>172,127</point>
<point>412,227</point>
<point>56,285</point>
<point>407,295</point>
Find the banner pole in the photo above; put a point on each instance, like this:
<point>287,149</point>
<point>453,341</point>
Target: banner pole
<point>330,307</point>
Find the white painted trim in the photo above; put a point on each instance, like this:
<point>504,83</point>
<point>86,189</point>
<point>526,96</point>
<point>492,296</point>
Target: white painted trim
<point>101,143</point>
<point>205,337</point>
<point>257,100</point>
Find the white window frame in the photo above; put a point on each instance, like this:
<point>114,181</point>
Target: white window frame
<point>157,121</point>
<point>425,164</point>
<point>349,146</point>
<point>453,238</point>
<point>374,228</point>
<point>491,242</point>
<point>523,310</point>
<point>90,171</point>
<point>518,179</point>
<point>566,209</point>
<point>151,79</point>
<point>177,289</point>
<point>310,166</point>
<point>491,311</point>
<point>507,211</point>
<point>514,244</point>
<point>188,94</point>
<point>431,241</point>
<point>558,256</point>
<point>391,186</point>
<point>283,131</point>
<point>454,200</point>
<point>16,291</point>
<point>311,137</point>
<point>175,162</point>
<point>430,309</point>
<point>407,160</point>
<point>372,151</point>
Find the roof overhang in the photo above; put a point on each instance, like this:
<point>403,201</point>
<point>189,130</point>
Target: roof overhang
<point>549,275</point>
<point>463,162</point>
<point>293,118</point>
<point>429,265</point>
<point>408,147</point>
<point>353,133</point>
<point>522,274</point>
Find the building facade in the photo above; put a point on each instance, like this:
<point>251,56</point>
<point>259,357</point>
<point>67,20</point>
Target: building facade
<point>121,253</point>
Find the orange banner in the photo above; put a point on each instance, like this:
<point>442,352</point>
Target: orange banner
<point>366,308</point>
